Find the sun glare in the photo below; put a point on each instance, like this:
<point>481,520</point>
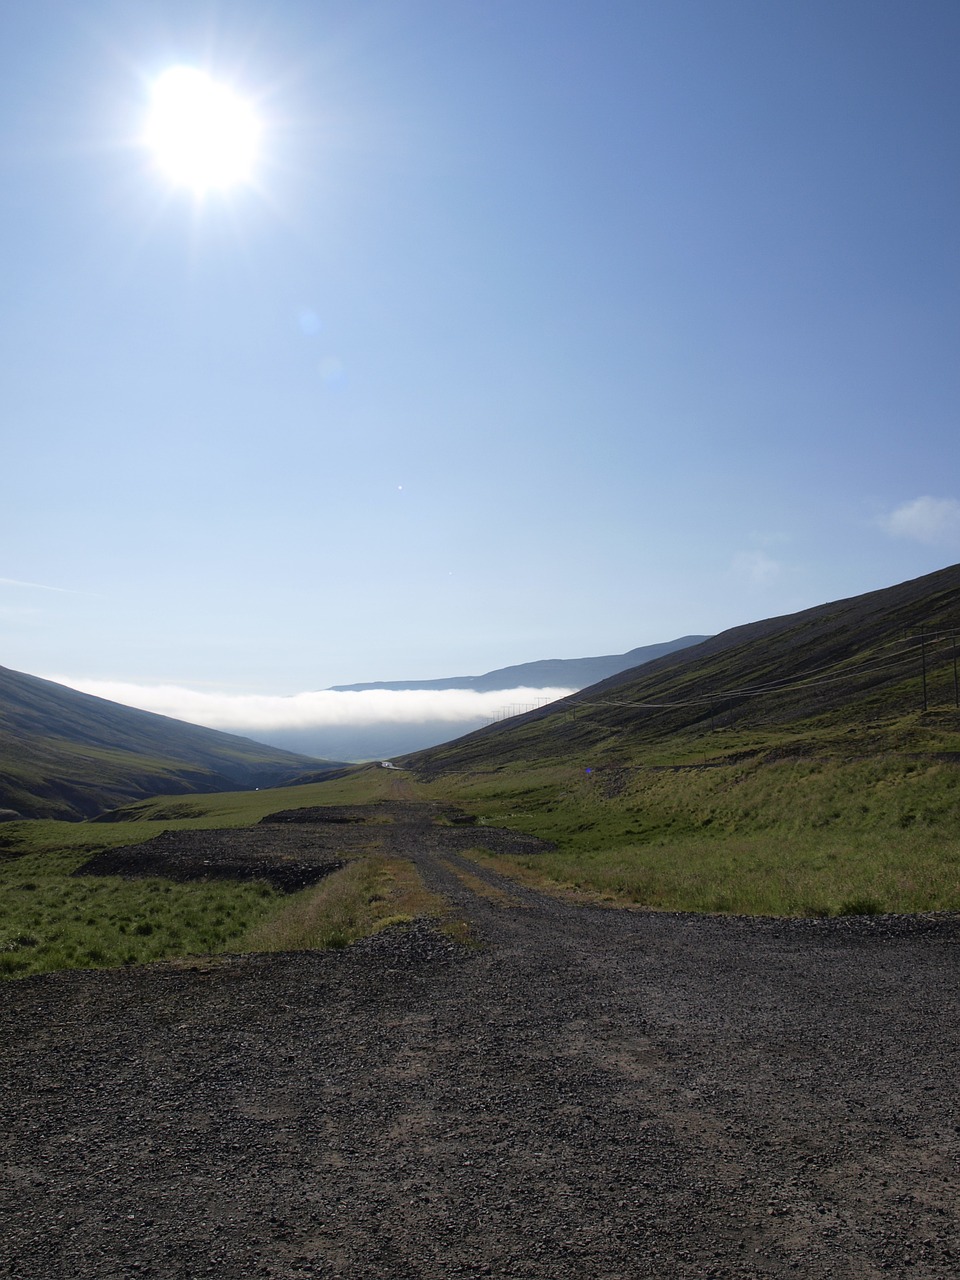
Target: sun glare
<point>202,134</point>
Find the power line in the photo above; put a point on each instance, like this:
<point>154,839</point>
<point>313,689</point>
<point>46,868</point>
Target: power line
<point>845,668</point>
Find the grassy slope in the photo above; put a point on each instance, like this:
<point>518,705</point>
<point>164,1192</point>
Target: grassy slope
<point>67,754</point>
<point>809,837</point>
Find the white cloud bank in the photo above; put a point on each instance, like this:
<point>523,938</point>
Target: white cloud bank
<point>935,521</point>
<point>255,713</point>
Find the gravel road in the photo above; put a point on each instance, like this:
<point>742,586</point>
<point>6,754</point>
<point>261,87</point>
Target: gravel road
<point>589,1093</point>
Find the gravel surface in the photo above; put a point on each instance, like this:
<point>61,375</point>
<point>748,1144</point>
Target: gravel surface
<point>589,1093</point>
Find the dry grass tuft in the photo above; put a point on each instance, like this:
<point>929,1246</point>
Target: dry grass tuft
<point>360,899</point>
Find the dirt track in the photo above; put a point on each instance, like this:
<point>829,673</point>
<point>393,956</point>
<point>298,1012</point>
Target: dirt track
<point>592,1093</point>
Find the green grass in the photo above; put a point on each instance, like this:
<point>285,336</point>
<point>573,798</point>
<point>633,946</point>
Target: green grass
<point>52,919</point>
<point>793,837</point>
<point>754,875</point>
<point>364,785</point>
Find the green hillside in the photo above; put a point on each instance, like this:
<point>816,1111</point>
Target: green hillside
<point>850,675</point>
<point>65,754</point>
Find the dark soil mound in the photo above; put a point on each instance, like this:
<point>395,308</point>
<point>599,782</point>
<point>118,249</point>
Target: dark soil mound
<point>297,847</point>
<point>404,828</point>
<point>384,811</point>
<point>245,854</point>
<point>333,816</point>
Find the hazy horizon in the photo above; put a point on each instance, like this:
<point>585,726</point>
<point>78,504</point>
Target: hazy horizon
<point>336,725</point>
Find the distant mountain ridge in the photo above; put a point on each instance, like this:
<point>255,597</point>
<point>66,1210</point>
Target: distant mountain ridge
<point>549,673</point>
<point>849,666</point>
<point>65,754</point>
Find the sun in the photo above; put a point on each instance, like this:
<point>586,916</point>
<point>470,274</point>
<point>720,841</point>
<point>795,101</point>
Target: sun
<point>201,133</point>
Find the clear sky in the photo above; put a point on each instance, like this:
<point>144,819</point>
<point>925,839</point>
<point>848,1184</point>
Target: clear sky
<point>540,329</point>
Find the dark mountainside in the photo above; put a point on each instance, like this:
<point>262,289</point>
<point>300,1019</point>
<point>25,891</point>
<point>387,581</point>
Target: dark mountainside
<point>858,660</point>
<point>550,673</point>
<point>65,754</point>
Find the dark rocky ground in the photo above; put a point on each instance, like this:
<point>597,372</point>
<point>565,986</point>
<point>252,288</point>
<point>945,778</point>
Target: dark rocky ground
<point>294,848</point>
<point>285,858</point>
<point>590,1093</point>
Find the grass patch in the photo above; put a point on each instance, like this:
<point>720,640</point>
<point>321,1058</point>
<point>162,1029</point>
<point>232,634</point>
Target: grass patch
<point>360,899</point>
<point>52,922</point>
<point>753,875</point>
<point>796,837</point>
<point>363,785</point>
<point>492,893</point>
<point>51,919</point>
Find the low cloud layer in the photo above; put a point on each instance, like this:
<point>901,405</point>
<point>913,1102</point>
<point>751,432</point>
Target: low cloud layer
<point>934,521</point>
<point>252,714</point>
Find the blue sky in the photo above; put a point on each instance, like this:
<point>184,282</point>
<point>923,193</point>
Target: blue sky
<point>545,329</point>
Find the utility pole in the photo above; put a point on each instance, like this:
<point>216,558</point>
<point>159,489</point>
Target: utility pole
<point>923,665</point>
<point>956,685</point>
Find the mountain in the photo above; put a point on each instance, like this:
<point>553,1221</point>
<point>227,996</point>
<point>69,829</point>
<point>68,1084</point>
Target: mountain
<point>857,667</point>
<point>550,673</point>
<point>65,754</point>
<point>381,739</point>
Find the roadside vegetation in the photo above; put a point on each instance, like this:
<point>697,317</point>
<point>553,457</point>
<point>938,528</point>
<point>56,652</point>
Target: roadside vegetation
<point>742,832</point>
<point>360,899</point>
<point>52,918</point>
<point>366,784</point>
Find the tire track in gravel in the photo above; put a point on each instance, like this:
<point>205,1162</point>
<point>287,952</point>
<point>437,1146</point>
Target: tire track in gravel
<point>590,1093</point>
